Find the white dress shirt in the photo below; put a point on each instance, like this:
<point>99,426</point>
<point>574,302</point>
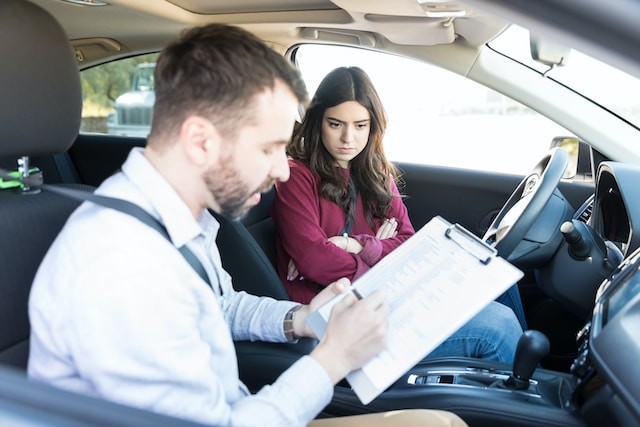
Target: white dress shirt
<point>117,312</point>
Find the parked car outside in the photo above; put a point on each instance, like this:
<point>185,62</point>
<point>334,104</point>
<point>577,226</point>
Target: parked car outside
<point>133,110</point>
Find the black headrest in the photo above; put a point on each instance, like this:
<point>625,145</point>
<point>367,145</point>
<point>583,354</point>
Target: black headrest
<point>262,210</point>
<point>41,102</point>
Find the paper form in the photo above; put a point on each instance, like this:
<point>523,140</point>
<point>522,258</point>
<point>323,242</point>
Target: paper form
<point>434,284</point>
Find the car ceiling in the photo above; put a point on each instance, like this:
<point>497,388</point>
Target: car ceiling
<point>126,27</point>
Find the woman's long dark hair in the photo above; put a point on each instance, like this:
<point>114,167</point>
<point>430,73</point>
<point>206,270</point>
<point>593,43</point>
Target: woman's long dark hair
<point>371,172</point>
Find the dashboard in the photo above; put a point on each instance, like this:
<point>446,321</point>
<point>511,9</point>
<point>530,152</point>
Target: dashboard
<point>616,208</point>
<point>610,349</point>
<point>609,344</point>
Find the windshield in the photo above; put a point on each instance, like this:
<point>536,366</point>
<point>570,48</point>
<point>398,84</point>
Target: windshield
<point>603,84</point>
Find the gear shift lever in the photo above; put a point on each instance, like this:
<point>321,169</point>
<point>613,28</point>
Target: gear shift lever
<point>532,347</point>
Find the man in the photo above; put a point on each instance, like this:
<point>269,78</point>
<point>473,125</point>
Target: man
<point>115,309</point>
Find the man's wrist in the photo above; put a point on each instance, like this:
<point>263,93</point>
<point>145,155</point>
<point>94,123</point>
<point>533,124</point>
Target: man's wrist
<point>288,324</point>
<point>334,365</point>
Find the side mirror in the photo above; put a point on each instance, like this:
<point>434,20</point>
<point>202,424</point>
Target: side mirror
<point>548,53</point>
<point>571,145</point>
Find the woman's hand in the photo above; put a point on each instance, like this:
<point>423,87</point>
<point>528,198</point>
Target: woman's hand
<point>292,271</point>
<point>389,228</point>
<point>348,244</point>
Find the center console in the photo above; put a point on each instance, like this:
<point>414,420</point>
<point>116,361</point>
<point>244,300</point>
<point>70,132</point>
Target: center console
<point>483,393</point>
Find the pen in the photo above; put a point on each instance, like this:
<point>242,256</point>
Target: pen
<point>355,292</point>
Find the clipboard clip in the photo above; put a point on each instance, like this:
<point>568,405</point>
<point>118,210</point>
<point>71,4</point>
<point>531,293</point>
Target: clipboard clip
<point>470,243</point>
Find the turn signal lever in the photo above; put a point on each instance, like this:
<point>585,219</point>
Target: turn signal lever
<point>578,267</point>
<point>532,347</point>
<point>583,242</point>
<point>579,247</point>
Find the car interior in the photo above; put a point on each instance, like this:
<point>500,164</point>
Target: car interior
<point>575,240</point>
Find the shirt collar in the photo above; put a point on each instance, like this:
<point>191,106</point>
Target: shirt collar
<point>164,203</point>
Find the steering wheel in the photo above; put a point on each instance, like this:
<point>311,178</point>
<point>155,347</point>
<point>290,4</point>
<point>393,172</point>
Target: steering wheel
<point>526,203</point>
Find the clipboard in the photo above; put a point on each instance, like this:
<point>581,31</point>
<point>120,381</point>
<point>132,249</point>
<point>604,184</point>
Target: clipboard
<point>471,243</point>
<point>434,283</point>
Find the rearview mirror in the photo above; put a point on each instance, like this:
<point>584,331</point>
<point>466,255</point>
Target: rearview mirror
<point>548,53</point>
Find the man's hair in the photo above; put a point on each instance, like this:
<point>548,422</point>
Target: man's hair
<point>370,170</point>
<point>215,71</point>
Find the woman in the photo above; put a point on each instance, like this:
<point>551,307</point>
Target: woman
<point>340,212</point>
<point>341,202</point>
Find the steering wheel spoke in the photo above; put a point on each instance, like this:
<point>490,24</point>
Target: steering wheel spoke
<point>526,203</point>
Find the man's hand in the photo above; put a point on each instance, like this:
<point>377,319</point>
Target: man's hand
<point>355,333</point>
<point>299,321</point>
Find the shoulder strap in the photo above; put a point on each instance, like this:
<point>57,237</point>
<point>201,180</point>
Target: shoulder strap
<point>136,211</point>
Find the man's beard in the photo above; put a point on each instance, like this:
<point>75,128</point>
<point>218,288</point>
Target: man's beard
<point>230,193</point>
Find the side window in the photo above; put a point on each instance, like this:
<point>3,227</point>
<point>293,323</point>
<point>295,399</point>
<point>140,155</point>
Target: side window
<point>437,117</point>
<point>118,97</point>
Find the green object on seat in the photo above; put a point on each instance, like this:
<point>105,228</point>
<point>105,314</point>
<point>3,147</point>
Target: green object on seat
<point>6,181</point>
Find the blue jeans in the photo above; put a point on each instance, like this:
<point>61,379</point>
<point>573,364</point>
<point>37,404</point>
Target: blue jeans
<point>511,298</point>
<point>491,335</point>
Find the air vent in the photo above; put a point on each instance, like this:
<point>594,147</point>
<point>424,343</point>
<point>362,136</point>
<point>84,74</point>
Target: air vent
<point>584,214</point>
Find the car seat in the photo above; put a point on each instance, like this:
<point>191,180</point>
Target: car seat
<point>40,107</point>
<point>248,251</point>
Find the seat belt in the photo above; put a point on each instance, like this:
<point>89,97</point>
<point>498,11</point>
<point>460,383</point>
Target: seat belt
<point>124,206</point>
<point>136,211</point>
<point>67,171</point>
<point>351,213</point>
